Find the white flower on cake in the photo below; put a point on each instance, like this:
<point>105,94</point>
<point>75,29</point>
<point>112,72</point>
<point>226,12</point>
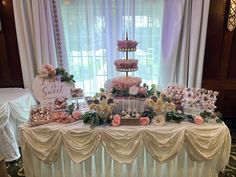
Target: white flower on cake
<point>133,90</point>
<point>108,85</point>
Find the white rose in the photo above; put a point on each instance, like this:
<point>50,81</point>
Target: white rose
<point>133,90</point>
<point>43,73</point>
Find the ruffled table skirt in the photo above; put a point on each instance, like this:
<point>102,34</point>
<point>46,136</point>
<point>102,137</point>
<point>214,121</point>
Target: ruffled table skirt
<point>174,150</point>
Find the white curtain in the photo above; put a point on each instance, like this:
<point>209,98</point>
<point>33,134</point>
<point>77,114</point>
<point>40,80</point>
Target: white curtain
<point>183,41</point>
<point>92,29</point>
<point>168,51</point>
<point>35,35</point>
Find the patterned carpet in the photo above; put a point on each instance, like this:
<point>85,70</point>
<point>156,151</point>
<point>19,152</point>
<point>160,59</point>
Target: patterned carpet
<point>230,170</point>
<point>15,168</point>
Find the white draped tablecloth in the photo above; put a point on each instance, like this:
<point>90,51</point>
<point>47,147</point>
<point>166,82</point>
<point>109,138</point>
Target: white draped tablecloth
<point>173,150</point>
<point>15,104</point>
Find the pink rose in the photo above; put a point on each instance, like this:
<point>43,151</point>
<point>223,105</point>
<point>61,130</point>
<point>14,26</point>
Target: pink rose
<point>144,120</point>
<point>116,120</point>
<point>198,120</point>
<point>50,69</point>
<point>142,90</point>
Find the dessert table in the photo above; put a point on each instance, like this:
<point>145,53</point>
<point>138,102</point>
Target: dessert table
<point>172,150</point>
<point>15,104</point>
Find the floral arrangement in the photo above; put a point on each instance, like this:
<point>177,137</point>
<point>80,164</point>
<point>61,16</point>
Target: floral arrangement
<point>126,65</point>
<point>101,110</point>
<point>127,45</point>
<point>130,86</point>
<point>120,85</point>
<point>159,107</point>
<point>94,118</point>
<point>48,71</point>
<point>64,76</point>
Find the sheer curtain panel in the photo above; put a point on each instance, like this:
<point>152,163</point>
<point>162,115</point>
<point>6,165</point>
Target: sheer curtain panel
<point>92,29</point>
<point>36,36</point>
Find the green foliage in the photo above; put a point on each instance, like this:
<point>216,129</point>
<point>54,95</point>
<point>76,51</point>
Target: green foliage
<point>91,118</point>
<point>125,92</point>
<point>153,91</point>
<point>87,117</point>
<point>205,114</point>
<point>120,93</point>
<point>70,108</point>
<point>173,115</point>
<point>102,90</point>
<point>65,76</point>
<point>94,119</point>
<point>148,113</point>
<point>218,114</point>
<point>190,117</point>
<point>208,115</point>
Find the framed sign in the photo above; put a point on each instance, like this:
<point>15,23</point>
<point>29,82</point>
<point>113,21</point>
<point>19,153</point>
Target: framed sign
<point>47,90</point>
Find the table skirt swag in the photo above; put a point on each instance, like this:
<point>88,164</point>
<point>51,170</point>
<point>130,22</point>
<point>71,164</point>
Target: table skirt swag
<point>174,150</point>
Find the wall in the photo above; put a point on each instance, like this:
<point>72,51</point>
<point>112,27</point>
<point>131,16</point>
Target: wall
<point>10,69</point>
<point>220,59</point>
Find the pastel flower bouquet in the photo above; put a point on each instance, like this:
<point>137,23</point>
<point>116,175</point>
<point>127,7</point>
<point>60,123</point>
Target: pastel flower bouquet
<point>48,71</point>
<point>121,85</point>
<point>101,111</point>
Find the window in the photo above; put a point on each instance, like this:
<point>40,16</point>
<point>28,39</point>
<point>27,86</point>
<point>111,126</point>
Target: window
<point>92,28</point>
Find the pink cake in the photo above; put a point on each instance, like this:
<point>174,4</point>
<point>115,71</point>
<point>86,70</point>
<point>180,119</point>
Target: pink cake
<point>127,45</point>
<point>126,65</point>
